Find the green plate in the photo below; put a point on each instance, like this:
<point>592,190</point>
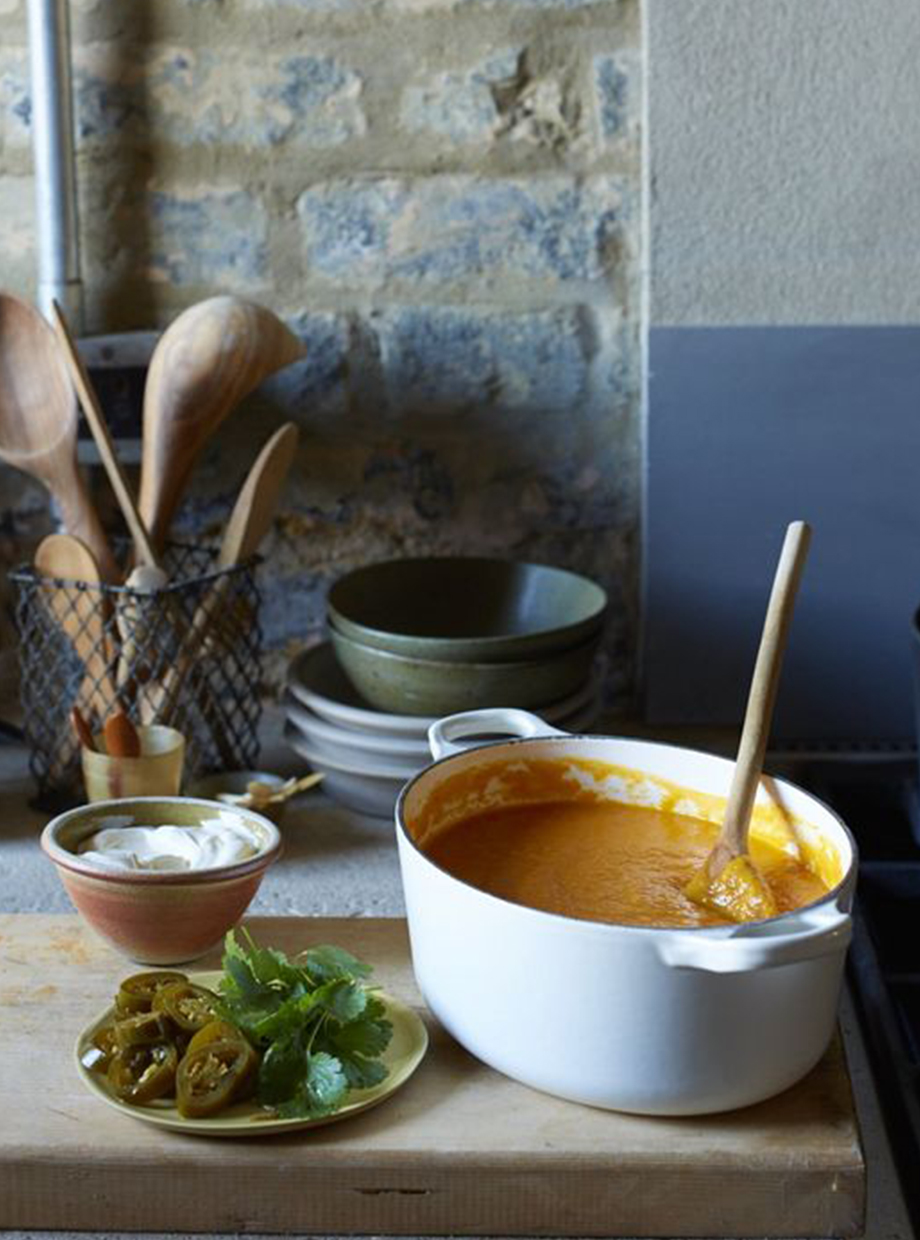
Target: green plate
<point>246,1119</point>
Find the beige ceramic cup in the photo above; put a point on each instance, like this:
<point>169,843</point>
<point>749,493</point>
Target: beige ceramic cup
<point>156,773</point>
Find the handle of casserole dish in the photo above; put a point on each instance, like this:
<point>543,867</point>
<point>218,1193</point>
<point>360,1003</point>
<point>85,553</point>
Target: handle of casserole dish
<point>823,933</point>
<point>501,720</point>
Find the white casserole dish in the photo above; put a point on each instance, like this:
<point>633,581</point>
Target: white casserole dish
<point>659,1021</point>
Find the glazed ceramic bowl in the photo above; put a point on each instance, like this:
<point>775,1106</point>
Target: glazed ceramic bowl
<point>652,1019</point>
<point>316,680</point>
<point>165,916</point>
<point>418,686</point>
<point>466,609</point>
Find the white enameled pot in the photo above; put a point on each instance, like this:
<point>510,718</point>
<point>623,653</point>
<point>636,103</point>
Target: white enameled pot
<point>653,1020</point>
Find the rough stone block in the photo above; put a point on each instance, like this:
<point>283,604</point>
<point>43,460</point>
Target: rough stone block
<point>440,359</point>
<point>459,106</point>
<point>211,237</point>
<point>189,96</point>
<point>455,228</point>
<point>15,104</point>
<point>616,92</point>
<point>255,100</point>
<point>316,384</point>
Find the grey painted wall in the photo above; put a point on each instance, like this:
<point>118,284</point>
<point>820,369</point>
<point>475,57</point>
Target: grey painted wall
<point>785,161</point>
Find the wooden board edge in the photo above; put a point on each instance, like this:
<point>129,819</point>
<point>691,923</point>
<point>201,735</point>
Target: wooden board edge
<point>463,1200</point>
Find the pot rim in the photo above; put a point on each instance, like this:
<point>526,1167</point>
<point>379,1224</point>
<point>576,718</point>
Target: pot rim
<point>729,930</point>
<point>67,860</point>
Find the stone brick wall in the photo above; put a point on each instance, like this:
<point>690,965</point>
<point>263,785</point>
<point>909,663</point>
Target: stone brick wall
<point>443,197</point>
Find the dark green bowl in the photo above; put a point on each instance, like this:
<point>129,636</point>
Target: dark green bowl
<point>466,609</point>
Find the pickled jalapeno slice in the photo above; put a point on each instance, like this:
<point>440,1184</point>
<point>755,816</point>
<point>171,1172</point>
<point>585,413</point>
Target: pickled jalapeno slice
<point>211,1077</point>
<point>216,1031</point>
<point>143,1029</point>
<point>189,1007</point>
<point>141,1074</point>
<point>136,993</point>
<point>98,1055</point>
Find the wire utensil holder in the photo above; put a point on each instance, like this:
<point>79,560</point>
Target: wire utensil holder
<point>104,647</point>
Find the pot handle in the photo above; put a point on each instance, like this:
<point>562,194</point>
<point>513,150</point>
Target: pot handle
<point>822,933</point>
<point>504,720</point>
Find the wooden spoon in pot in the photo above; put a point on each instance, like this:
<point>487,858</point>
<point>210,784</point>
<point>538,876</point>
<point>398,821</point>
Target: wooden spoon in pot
<point>206,361</point>
<point>38,422</point>
<point>729,882</point>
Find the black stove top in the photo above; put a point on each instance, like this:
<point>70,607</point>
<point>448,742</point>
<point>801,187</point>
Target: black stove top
<point>881,806</point>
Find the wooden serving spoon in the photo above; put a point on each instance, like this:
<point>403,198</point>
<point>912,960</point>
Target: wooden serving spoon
<point>206,361</point>
<point>38,422</point>
<point>249,522</point>
<point>729,882</point>
<point>65,557</point>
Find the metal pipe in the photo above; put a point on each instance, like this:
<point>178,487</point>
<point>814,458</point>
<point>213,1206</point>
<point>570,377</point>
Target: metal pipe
<point>53,147</point>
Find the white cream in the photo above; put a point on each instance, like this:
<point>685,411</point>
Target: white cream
<point>122,845</point>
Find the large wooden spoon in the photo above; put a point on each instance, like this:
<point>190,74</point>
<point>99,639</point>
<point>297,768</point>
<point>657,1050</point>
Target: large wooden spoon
<point>728,882</point>
<point>79,614</point>
<point>204,363</point>
<point>38,422</point>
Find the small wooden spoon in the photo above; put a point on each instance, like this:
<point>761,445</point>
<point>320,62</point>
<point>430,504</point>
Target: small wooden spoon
<point>121,738</point>
<point>728,882</point>
<point>204,363</point>
<point>38,422</point>
<point>65,557</point>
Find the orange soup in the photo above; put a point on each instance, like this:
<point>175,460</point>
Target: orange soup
<point>603,861</point>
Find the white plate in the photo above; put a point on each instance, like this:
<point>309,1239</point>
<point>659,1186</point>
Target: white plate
<point>330,738</point>
<point>369,792</point>
<point>246,1119</point>
<point>317,681</point>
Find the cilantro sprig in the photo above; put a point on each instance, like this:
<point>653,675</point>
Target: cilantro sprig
<point>320,1029</point>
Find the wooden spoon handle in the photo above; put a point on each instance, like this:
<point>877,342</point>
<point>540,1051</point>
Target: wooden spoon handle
<point>762,696</point>
<point>97,424</point>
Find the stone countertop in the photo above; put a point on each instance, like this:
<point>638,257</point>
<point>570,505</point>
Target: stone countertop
<point>338,863</point>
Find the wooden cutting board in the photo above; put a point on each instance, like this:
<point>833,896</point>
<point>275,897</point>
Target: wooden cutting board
<point>459,1150</point>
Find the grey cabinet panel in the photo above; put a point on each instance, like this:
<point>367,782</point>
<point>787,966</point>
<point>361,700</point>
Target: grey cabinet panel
<point>749,428</point>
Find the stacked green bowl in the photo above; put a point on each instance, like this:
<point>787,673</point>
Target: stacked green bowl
<point>436,635</point>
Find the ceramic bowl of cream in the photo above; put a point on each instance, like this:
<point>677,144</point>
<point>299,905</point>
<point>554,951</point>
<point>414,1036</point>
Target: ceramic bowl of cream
<point>647,1019</point>
<point>161,879</point>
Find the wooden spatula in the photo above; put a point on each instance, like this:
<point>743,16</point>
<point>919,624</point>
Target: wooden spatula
<point>249,522</point>
<point>728,881</point>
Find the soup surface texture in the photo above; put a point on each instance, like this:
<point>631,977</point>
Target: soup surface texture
<point>603,861</point>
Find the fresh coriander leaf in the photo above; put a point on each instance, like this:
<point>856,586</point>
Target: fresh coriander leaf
<point>362,1037</point>
<point>282,1071</point>
<point>325,963</point>
<point>362,1073</point>
<point>326,1085</point>
<point>345,1000</point>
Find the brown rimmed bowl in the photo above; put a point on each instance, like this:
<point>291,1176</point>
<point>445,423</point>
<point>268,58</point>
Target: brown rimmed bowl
<point>164,916</point>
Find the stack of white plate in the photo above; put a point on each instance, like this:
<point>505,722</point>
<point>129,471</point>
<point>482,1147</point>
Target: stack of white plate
<point>365,754</point>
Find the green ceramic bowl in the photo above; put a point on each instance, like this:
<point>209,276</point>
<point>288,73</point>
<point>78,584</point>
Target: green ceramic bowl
<point>413,686</point>
<point>466,609</point>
